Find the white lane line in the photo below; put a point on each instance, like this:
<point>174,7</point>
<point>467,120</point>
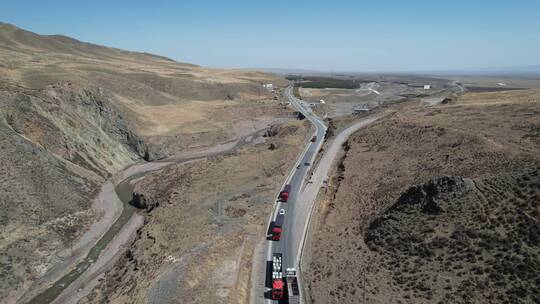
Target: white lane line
<point>277,204</point>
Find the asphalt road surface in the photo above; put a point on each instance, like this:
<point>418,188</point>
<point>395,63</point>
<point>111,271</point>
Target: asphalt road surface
<point>304,189</point>
<point>293,230</point>
<point>293,226</point>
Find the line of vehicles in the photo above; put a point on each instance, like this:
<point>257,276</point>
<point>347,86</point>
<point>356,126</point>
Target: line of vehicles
<point>279,281</point>
<point>276,226</point>
<point>284,287</point>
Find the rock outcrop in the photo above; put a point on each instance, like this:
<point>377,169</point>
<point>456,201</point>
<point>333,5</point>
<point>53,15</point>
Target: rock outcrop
<point>57,145</point>
<point>452,226</point>
<point>429,196</point>
<point>430,199</point>
<point>54,116</point>
<point>142,201</point>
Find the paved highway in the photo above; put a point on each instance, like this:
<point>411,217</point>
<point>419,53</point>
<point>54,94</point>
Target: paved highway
<point>295,216</point>
<point>304,190</point>
<point>293,225</point>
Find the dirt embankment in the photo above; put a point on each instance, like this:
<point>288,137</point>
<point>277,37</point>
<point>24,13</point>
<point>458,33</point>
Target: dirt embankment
<point>203,220</point>
<point>393,229</point>
<point>58,145</point>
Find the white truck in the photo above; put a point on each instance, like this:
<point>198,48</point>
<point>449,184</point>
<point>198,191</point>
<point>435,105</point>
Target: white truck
<point>292,286</point>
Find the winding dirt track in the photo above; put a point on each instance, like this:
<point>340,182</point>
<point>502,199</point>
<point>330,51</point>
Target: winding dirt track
<point>109,207</point>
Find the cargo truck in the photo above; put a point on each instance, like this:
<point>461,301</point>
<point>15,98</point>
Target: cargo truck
<point>277,277</point>
<point>284,194</point>
<point>277,226</point>
<point>292,286</point>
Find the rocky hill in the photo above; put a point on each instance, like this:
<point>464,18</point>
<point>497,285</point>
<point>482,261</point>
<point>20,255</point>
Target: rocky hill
<point>59,144</point>
<point>72,114</point>
<point>460,240</point>
<point>434,205</point>
<point>158,96</point>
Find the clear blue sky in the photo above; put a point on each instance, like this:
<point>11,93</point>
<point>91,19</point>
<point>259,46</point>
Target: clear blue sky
<point>339,35</point>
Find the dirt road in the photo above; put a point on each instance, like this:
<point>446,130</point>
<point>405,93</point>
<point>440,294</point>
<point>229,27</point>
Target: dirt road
<point>311,189</point>
<point>306,200</point>
<point>109,203</point>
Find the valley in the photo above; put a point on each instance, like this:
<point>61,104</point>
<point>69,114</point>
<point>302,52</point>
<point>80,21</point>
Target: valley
<point>127,177</point>
<point>133,108</point>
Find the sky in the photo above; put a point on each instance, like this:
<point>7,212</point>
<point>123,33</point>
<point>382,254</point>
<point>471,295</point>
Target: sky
<point>362,36</point>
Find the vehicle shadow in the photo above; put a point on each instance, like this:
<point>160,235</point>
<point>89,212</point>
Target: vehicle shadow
<point>268,295</point>
<point>269,231</point>
<point>268,276</point>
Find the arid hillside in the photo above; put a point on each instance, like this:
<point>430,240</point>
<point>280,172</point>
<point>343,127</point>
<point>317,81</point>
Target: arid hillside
<point>434,205</point>
<point>72,114</point>
<point>160,97</point>
<point>58,143</point>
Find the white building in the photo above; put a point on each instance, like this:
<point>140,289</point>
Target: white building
<point>427,87</point>
<point>360,109</point>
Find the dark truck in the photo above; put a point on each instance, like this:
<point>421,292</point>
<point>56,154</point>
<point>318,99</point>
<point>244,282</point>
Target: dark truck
<point>284,194</point>
<point>276,227</point>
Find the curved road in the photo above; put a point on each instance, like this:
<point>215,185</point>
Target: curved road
<point>302,196</point>
<point>295,217</point>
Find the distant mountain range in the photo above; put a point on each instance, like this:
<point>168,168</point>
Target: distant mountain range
<point>526,71</point>
<point>286,71</point>
<point>531,70</point>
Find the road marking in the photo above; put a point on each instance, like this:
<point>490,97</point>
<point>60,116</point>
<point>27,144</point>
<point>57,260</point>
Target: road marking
<point>277,203</point>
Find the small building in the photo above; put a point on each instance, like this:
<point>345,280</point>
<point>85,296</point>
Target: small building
<point>268,86</point>
<point>360,109</point>
<point>427,86</point>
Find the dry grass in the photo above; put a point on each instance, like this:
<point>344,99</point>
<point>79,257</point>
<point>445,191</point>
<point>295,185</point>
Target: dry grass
<point>491,138</point>
<point>160,94</point>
